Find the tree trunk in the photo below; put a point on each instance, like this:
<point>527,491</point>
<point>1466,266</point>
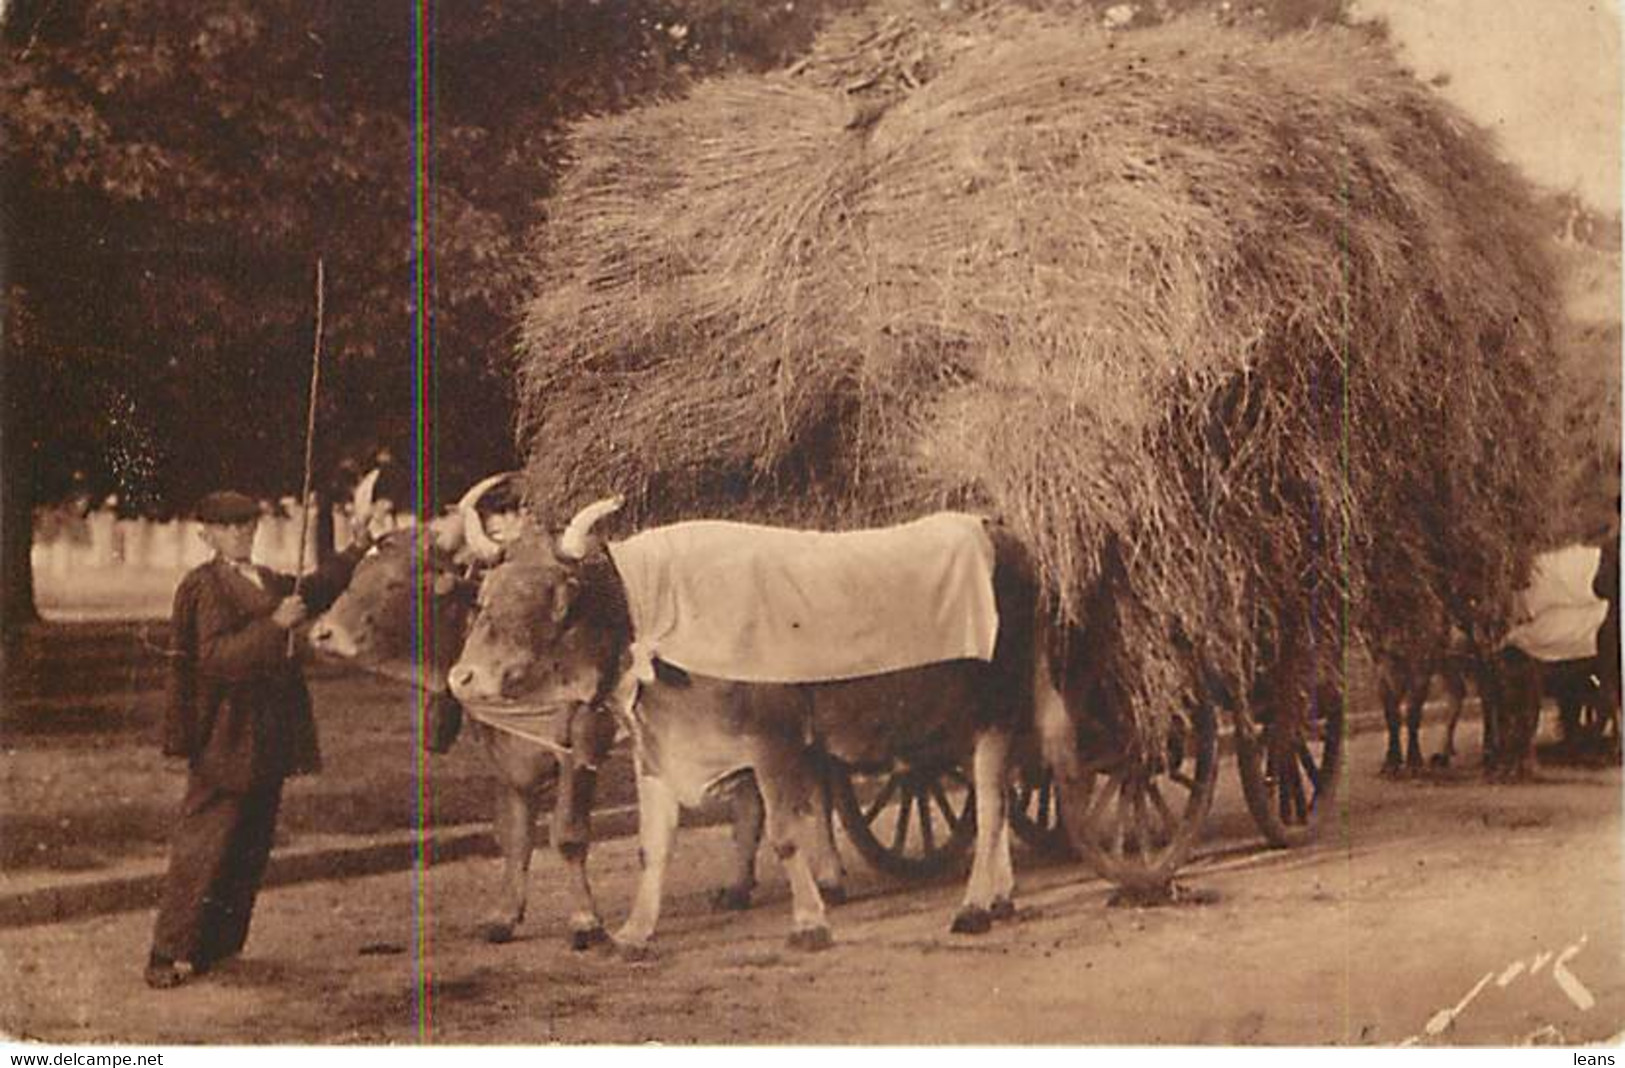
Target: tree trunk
<point>17,608</point>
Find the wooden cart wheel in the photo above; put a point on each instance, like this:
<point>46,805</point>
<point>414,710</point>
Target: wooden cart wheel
<point>1291,764</point>
<point>1137,821</point>
<point>1035,814</point>
<point>913,822</point>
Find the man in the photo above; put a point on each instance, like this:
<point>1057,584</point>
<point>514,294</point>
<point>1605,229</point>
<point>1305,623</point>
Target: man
<point>240,714</point>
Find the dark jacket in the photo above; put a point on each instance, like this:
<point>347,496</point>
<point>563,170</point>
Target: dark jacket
<point>238,707</point>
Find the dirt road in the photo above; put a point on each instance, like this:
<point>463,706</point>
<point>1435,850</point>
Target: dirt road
<point>1441,910</point>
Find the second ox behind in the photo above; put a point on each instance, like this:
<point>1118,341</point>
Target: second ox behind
<point>727,647</point>
<point>404,616</point>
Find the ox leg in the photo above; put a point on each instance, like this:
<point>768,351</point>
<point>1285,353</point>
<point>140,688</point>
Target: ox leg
<point>572,810</point>
<point>1414,700</point>
<point>514,825</point>
<point>1516,707</point>
<point>990,773</point>
<point>1004,875</point>
<point>1490,699</point>
<point>657,833</point>
<point>1455,689</point>
<point>790,789</point>
<point>1391,691</point>
<point>745,801</point>
<point>827,868</point>
<point>1519,729</point>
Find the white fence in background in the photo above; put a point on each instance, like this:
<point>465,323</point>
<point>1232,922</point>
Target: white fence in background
<point>102,542</point>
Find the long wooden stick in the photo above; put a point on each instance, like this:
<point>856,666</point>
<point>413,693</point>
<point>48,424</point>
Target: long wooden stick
<point>310,441</point>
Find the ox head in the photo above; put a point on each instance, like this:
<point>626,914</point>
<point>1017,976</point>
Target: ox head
<point>550,627</point>
<point>428,574</point>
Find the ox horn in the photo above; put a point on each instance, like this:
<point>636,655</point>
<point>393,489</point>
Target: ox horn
<point>484,546</point>
<point>361,503</point>
<point>573,543</point>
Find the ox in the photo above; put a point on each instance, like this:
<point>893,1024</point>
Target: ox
<point>1404,677</point>
<point>374,622</point>
<point>1564,647</point>
<point>554,631</point>
<point>426,575</point>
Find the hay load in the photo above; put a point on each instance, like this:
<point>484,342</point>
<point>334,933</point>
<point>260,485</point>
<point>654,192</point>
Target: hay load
<point>1242,337</point>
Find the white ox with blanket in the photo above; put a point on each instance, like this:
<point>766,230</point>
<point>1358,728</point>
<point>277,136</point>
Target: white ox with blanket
<point>777,650</point>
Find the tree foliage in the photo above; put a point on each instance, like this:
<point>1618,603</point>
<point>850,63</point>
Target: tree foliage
<point>173,169</point>
<point>170,171</point>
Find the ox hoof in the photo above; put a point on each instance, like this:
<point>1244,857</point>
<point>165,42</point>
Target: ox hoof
<point>634,952</point>
<point>1392,769</point>
<point>587,937</point>
<point>833,895</point>
<point>496,933</point>
<point>811,939</point>
<point>730,899</point>
<point>1440,760</point>
<point>1003,910</point>
<point>972,920</point>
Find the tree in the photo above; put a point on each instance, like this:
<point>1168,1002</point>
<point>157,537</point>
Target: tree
<point>171,169</point>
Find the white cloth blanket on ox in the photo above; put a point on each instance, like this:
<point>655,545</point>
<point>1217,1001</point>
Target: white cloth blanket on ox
<point>1559,614</point>
<point>766,604</point>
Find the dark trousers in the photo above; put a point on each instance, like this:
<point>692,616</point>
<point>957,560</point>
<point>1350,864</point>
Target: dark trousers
<point>217,859</point>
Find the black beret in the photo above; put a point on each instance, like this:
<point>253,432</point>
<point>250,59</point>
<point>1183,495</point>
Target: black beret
<point>227,506</point>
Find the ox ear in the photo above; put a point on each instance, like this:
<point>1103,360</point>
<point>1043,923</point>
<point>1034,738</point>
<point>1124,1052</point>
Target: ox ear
<point>447,532</point>
<point>444,584</point>
<point>564,599</point>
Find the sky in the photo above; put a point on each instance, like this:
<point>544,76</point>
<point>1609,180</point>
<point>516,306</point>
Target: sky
<point>1544,74</point>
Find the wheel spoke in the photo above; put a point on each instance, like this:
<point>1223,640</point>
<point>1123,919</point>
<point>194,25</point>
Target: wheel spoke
<point>1169,824</point>
<point>1045,816</point>
<point>927,832</point>
<point>1306,758</point>
<point>1098,801</point>
<point>1119,825</point>
<point>1142,830</point>
<point>1300,802</point>
<point>1024,795</point>
<point>899,838</point>
<point>880,800</point>
<point>941,797</point>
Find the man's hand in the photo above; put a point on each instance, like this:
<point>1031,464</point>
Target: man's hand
<point>290,613</point>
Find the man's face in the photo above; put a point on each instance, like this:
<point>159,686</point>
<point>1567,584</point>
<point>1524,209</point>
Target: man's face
<point>233,541</point>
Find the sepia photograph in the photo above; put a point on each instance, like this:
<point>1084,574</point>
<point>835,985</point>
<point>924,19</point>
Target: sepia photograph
<point>1086,526</point>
